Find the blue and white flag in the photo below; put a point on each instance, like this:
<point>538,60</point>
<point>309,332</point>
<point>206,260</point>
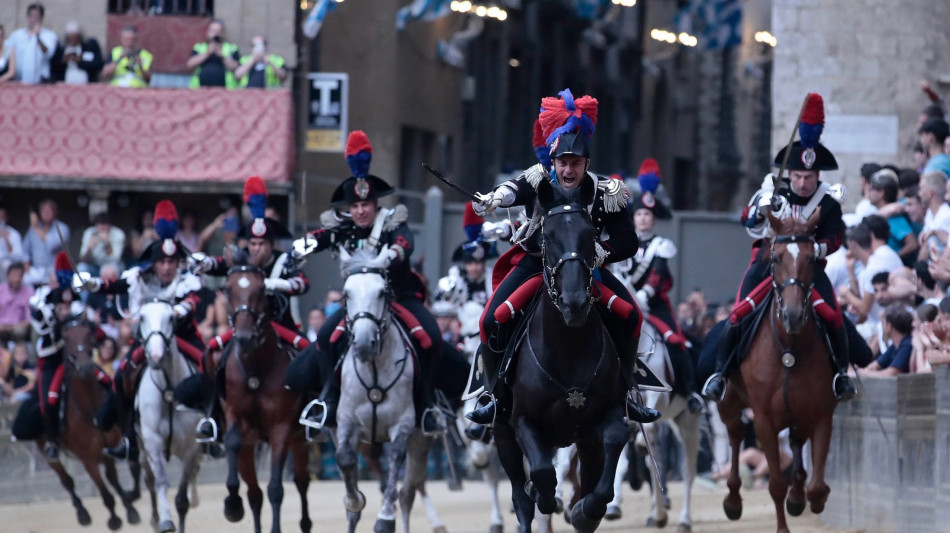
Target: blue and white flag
<point>717,23</point>
<point>590,9</point>
<point>425,10</point>
<point>314,20</point>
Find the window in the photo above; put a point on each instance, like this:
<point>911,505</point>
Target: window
<point>162,7</point>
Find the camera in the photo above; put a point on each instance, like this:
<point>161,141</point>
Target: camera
<point>217,39</point>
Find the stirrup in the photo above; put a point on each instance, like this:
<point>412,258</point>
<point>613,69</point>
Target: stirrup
<point>716,376</point>
<point>846,396</point>
<point>484,399</point>
<point>120,451</point>
<point>214,431</point>
<point>435,415</point>
<point>304,419</point>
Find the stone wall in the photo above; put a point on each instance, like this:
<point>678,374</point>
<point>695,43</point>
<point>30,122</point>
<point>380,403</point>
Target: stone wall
<point>866,58</point>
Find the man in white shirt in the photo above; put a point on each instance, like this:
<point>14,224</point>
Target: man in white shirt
<point>11,244</point>
<point>34,46</point>
<point>933,194</point>
<point>868,244</point>
<point>864,207</point>
<point>101,243</point>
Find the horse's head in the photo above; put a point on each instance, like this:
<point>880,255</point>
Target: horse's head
<point>247,305</point>
<point>78,342</point>
<point>366,297</point>
<point>156,325</point>
<point>793,264</point>
<point>567,248</point>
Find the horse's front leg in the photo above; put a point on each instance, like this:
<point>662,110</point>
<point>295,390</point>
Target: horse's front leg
<point>731,413</point>
<point>658,516</point>
<point>279,435</point>
<point>778,485</point>
<point>233,504</point>
<point>396,451</point>
<point>512,459</point>
<point>795,501</point>
<point>588,512</point>
<point>540,456</point>
<point>154,444</point>
<point>821,440</point>
<point>191,462</point>
<point>346,457</point>
<point>614,510</point>
<point>301,457</point>
<point>82,515</point>
<point>112,476</point>
<point>689,434</point>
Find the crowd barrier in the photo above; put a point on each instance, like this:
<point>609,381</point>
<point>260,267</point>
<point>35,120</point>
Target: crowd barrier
<point>889,461</point>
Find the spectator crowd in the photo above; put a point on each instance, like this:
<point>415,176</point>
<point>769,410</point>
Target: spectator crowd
<point>35,54</point>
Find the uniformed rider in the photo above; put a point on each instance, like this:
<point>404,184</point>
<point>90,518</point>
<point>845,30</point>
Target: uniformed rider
<point>471,283</point>
<point>567,124</point>
<point>798,195</point>
<point>356,221</point>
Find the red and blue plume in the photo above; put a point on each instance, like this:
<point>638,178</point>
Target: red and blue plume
<point>165,220</point>
<point>471,223</point>
<point>813,121</point>
<point>649,175</point>
<point>540,147</point>
<point>255,196</point>
<point>359,153</point>
<point>63,270</point>
<point>565,114</point>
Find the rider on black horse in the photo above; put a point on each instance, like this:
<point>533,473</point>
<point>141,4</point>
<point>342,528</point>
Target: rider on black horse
<point>282,279</point>
<point>363,224</point>
<point>801,194</point>
<point>161,276</point>
<point>649,275</point>
<point>568,125</point>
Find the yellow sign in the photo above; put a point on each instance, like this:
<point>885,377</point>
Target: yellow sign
<point>324,141</point>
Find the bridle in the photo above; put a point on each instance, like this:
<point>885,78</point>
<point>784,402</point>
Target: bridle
<point>550,272</point>
<point>71,356</point>
<point>382,322</point>
<point>779,289</point>
<point>256,314</point>
<point>167,339</point>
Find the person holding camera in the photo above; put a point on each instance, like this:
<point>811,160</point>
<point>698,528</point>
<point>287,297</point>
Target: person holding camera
<point>33,47</point>
<point>214,60</point>
<point>129,65</point>
<point>261,70</point>
<point>78,60</point>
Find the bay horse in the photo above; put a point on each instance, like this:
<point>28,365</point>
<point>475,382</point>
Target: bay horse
<point>165,429</point>
<point>376,392</point>
<point>565,387</point>
<point>257,407</point>
<point>786,378</point>
<point>80,436</point>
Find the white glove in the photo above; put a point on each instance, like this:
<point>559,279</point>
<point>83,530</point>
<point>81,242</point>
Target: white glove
<point>277,284</point>
<point>181,310</point>
<point>83,281</point>
<point>202,263</point>
<point>304,246</point>
<point>487,203</point>
<point>642,299</point>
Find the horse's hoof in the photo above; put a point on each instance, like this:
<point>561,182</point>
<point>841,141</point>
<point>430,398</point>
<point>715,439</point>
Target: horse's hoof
<point>732,513</point>
<point>166,526</point>
<point>233,508</point>
<point>440,529</point>
<point>83,516</point>
<point>115,523</point>
<point>132,516</point>
<point>567,514</point>
<point>581,522</point>
<point>497,528</point>
<point>795,508</point>
<point>817,507</point>
<point>559,505</point>
<point>613,512</point>
<point>357,505</point>
<point>305,525</point>
<point>653,522</point>
<point>384,526</point>
<point>684,528</point>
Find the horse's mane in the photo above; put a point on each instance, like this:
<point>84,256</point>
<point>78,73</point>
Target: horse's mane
<point>362,259</point>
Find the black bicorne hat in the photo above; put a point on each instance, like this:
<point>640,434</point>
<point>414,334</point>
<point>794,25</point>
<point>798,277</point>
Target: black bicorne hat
<point>808,153</point>
<point>361,185</point>
<point>649,201</point>
<point>573,143</point>
<point>474,251</point>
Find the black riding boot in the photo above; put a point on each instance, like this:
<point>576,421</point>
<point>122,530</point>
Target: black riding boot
<point>433,420</point>
<point>843,386</point>
<point>500,402</point>
<point>715,387</point>
<point>51,428</point>
<point>636,412</point>
<point>685,375</point>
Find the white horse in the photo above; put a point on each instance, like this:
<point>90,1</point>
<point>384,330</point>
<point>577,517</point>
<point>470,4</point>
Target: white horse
<point>376,392</point>
<point>164,428</point>
<point>685,426</point>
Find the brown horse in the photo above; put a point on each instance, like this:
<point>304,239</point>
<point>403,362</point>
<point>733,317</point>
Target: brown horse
<point>80,437</point>
<point>257,406</point>
<point>786,378</point>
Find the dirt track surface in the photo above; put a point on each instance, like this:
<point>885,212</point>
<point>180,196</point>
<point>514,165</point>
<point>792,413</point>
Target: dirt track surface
<point>463,512</point>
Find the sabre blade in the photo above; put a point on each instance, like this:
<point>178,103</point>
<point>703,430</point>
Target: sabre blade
<point>452,185</point>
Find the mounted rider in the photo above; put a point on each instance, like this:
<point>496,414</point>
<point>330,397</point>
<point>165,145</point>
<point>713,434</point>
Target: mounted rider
<point>798,196</point>
<point>567,124</point>
<point>471,283</point>
<point>51,307</point>
<point>648,274</point>
<point>282,280</point>
<point>357,222</point>
<point>161,276</point>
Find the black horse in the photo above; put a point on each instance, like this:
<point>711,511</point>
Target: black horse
<point>566,386</point>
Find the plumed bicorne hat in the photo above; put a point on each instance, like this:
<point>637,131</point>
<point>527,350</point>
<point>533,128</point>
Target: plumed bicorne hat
<point>361,185</point>
<point>474,249</point>
<point>165,222</point>
<point>63,270</point>
<point>255,197</point>
<point>541,150</point>
<point>649,179</point>
<point>567,124</point>
<point>807,153</point>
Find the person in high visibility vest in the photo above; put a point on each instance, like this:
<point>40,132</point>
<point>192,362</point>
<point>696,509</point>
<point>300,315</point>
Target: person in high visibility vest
<point>127,64</point>
<point>214,60</point>
<point>260,69</point>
